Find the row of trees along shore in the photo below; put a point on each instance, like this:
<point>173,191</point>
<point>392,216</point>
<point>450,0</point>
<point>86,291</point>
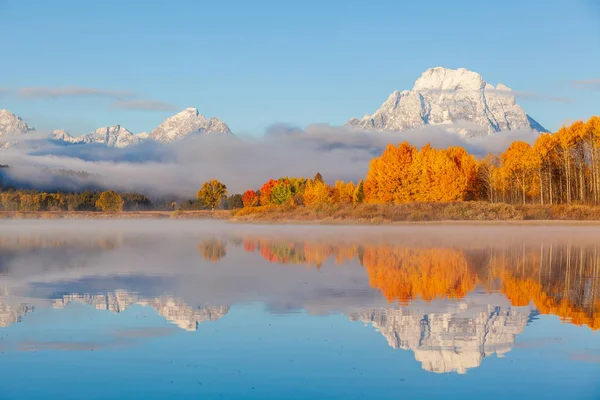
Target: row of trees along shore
<point>559,168</point>
<point>108,201</point>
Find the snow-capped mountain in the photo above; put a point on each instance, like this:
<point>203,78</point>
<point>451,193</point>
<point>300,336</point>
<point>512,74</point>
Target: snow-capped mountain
<point>111,136</point>
<point>455,339</point>
<point>443,96</point>
<point>174,128</point>
<point>187,122</point>
<point>11,128</point>
<point>10,124</point>
<point>172,309</point>
<point>63,136</point>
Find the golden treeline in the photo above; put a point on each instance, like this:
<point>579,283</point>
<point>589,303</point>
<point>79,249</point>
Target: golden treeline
<point>562,280</point>
<point>405,174</point>
<point>559,168</point>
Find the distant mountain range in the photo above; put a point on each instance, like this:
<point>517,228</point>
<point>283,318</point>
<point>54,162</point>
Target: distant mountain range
<point>174,310</point>
<point>459,100</point>
<point>187,122</point>
<point>453,340</point>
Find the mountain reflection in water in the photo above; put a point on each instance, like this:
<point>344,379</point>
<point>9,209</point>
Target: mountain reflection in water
<point>453,295</point>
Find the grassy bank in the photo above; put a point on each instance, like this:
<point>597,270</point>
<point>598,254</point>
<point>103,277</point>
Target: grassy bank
<point>414,212</point>
<point>200,214</point>
<point>347,213</point>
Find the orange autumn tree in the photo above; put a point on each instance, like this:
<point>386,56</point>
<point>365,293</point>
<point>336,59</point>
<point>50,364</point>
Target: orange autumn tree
<point>544,163</point>
<point>518,164</point>
<point>316,192</point>
<point>265,192</point>
<point>488,179</point>
<point>404,174</point>
<point>468,168</point>
<point>390,178</point>
<point>343,193</point>
<point>439,174</point>
<point>250,198</point>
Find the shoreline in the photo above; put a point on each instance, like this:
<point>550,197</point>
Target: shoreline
<point>125,215</point>
<point>267,219</point>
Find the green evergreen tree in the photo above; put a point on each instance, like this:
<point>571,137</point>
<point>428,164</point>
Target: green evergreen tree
<point>359,193</point>
<point>235,201</point>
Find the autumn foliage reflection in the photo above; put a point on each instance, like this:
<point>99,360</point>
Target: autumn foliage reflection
<point>299,253</point>
<point>404,274</point>
<point>562,280</point>
<point>212,250</point>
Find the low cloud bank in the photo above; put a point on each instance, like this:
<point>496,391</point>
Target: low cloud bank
<point>180,168</point>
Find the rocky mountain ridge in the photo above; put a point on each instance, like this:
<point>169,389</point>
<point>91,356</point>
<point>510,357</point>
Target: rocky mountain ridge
<point>172,309</point>
<point>458,99</point>
<point>188,122</point>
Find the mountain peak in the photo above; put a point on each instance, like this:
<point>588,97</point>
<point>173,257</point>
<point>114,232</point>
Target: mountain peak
<point>111,136</point>
<point>61,135</point>
<point>113,128</point>
<point>440,78</point>
<point>190,110</point>
<point>11,124</point>
<point>186,122</point>
<point>444,96</point>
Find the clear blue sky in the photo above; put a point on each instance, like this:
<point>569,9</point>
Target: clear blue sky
<point>255,63</point>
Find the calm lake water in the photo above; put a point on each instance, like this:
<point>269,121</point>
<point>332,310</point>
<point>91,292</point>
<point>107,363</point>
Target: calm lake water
<point>191,309</point>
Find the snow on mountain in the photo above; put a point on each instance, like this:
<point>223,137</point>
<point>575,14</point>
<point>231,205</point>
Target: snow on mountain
<point>10,124</point>
<point>112,136</point>
<point>63,136</point>
<point>174,310</point>
<point>188,121</point>
<point>443,96</point>
<point>455,339</point>
<point>11,128</point>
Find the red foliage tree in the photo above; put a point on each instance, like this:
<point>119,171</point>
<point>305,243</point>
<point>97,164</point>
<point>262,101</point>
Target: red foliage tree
<point>265,192</point>
<point>250,198</point>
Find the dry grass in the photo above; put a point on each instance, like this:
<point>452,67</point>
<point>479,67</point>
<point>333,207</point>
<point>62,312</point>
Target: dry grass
<point>560,212</point>
<point>350,214</point>
<point>415,212</point>
<point>201,214</point>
